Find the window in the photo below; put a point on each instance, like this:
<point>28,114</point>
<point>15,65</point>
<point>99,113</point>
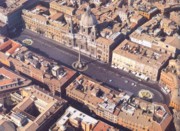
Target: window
<point>99,52</point>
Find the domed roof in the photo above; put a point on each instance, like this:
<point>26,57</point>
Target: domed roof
<point>88,19</point>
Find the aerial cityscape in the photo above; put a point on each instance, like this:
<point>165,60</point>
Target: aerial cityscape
<point>89,65</point>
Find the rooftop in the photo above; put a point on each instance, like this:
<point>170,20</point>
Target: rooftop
<point>9,47</point>
<point>141,54</point>
<point>101,126</point>
<point>73,116</point>
<point>46,68</point>
<point>174,67</point>
<point>173,71</point>
<point>72,113</point>
<point>144,6</point>
<point>105,16</point>
<point>42,104</point>
<point>96,94</point>
<point>173,41</point>
<point>47,16</point>
<point>157,30</point>
<point>11,6</point>
<point>10,80</point>
<point>118,103</point>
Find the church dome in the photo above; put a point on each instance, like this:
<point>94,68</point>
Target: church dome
<point>88,19</point>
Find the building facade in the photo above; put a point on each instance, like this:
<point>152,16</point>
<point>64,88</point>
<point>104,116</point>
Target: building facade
<point>74,119</point>
<point>139,59</point>
<point>170,78</point>
<point>119,107</point>
<point>161,36</point>
<point>73,28</point>
<point>37,110</point>
<point>10,13</point>
<point>41,69</point>
<point>11,82</point>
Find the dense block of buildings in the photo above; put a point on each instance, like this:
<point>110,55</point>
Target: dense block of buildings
<point>61,24</point>
<point>11,82</point>
<point>171,74</point>
<point>36,111</point>
<point>74,119</point>
<point>145,8</point>
<point>139,59</point>
<point>170,77</point>
<point>119,107</point>
<point>42,69</point>
<point>129,19</point>
<point>10,11</point>
<point>160,34</point>
<point>167,6</point>
<point>95,31</point>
